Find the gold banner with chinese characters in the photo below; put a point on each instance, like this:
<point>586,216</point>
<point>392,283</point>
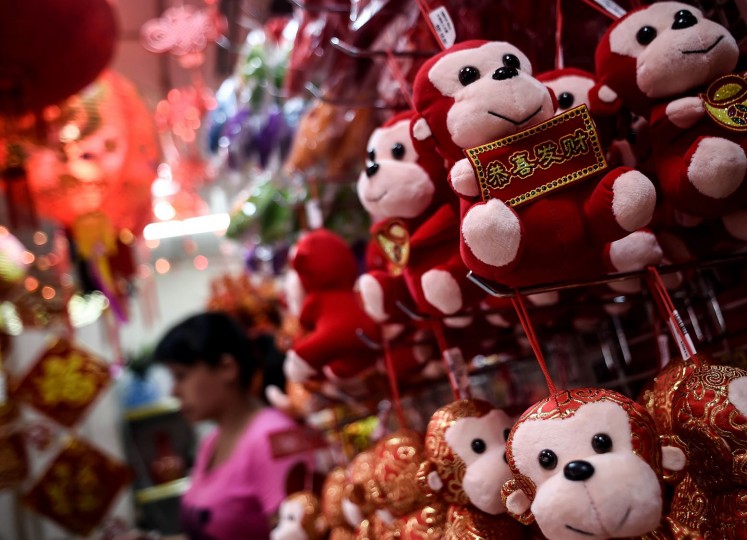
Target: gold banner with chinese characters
<point>534,162</point>
<point>78,488</point>
<point>393,239</point>
<point>64,382</point>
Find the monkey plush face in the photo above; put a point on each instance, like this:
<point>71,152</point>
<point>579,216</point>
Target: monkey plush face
<point>570,86</point>
<point>300,518</point>
<point>586,464</point>
<point>476,92</point>
<point>394,184</point>
<point>465,448</point>
<point>664,49</point>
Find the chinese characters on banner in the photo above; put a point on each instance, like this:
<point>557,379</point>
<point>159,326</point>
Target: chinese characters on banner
<point>64,382</point>
<point>541,159</point>
<point>78,488</point>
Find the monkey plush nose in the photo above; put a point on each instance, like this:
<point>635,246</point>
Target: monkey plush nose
<point>683,19</point>
<point>372,169</point>
<point>501,74</point>
<point>578,470</point>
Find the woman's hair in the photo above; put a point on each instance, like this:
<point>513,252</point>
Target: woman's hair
<point>205,338</point>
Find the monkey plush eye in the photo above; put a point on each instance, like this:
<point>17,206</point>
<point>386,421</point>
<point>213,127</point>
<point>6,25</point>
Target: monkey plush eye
<point>398,151</point>
<point>468,75</point>
<point>565,100</point>
<point>645,35</point>
<point>506,432</point>
<point>371,155</point>
<point>478,446</point>
<point>601,443</point>
<point>547,459</point>
<point>512,61</point>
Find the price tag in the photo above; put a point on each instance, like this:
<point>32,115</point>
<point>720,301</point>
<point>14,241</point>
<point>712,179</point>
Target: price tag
<point>444,26</point>
<point>295,440</point>
<point>686,345</point>
<point>314,217</point>
<point>458,371</point>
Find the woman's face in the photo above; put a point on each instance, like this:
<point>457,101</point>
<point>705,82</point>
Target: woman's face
<point>202,389</point>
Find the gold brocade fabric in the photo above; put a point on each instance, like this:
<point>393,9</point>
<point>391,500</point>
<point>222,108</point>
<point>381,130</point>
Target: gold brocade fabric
<point>398,457</point>
<point>471,524</point>
<point>332,494</point>
<point>427,523</point>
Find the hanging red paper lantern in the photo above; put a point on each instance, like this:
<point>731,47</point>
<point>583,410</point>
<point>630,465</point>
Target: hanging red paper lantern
<point>50,49</point>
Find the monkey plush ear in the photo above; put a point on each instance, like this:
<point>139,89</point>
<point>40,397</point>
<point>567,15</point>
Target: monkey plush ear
<point>517,495</point>
<point>428,479</point>
<point>419,128</point>
<point>673,458</point>
<point>604,101</point>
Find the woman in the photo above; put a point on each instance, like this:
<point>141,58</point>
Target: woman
<point>236,484</point>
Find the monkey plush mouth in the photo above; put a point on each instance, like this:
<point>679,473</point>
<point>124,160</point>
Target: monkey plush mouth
<point>705,51</point>
<point>587,533</point>
<point>378,198</point>
<point>514,122</point>
<point>579,531</point>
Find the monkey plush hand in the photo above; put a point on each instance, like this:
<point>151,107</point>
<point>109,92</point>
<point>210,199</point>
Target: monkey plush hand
<point>477,92</point>
<point>587,464</point>
<point>465,466</point>
<point>405,187</point>
<point>300,518</point>
<point>670,63</point>
<point>324,272</point>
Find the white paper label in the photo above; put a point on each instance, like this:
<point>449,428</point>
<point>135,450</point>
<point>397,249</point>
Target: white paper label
<point>444,26</point>
<point>613,7</point>
<point>314,217</point>
<point>675,321</point>
<point>458,371</point>
<point>664,356</point>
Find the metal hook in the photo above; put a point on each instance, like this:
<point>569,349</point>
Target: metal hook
<point>414,315</point>
<point>367,341</point>
<point>357,52</point>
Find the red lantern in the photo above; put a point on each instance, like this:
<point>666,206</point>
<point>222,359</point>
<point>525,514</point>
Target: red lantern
<point>50,49</point>
<point>104,159</point>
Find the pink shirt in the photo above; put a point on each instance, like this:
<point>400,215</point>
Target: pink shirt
<point>234,499</point>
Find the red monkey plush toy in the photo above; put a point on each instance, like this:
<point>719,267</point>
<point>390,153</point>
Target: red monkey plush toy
<point>324,272</point>
<point>587,464</point>
<point>406,188</point>
<point>465,466</point>
<point>477,92</point>
<point>672,64</point>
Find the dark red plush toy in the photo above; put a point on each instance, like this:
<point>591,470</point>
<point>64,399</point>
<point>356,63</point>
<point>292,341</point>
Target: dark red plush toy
<point>323,273</point>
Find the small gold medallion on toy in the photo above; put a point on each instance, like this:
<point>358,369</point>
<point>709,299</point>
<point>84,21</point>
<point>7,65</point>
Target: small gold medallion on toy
<point>725,101</point>
<point>393,238</point>
<point>532,163</point>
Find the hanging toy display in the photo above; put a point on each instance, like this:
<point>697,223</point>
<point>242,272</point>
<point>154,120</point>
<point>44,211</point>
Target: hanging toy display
<point>333,505</point>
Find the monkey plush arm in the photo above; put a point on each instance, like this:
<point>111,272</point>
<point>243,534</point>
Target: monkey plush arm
<point>463,180</point>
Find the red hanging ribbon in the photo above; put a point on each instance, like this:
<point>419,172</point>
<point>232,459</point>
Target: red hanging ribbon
<point>404,87</point>
<point>668,310</point>
<point>443,346</point>
<point>600,9</point>
<point>518,301</point>
<point>393,385</point>
<point>423,5</point>
<point>559,63</point>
